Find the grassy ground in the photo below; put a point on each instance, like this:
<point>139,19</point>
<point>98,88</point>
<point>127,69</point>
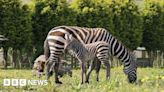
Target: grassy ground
<point>149,80</point>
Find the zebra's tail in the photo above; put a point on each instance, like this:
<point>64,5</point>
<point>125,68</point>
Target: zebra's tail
<point>46,49</point>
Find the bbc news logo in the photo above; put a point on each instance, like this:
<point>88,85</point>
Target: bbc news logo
<point>23,82</point>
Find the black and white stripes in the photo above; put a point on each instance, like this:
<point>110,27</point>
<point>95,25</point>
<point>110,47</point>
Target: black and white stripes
<point>54,46</point>
<point>88,52</point>
<point>2,38</point>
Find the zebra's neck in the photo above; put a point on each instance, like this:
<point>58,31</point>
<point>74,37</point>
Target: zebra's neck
<point>121,52</point>
<point>118,49</point>
<point>78,48</point>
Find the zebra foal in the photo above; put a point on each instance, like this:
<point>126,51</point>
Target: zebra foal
<point>39,64</point>
<point>87,52</point>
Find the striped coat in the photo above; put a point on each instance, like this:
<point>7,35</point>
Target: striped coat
<point>88,52</point>
<point>54,47</point>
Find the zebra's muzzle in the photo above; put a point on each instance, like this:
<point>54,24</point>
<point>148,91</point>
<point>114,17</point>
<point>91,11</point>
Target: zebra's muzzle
<point>132,78</point>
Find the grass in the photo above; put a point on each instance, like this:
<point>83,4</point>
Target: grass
<point>149,80</point>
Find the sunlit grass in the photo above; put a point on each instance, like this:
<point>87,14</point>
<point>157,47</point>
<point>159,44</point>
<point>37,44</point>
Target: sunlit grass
<point>149,80</point>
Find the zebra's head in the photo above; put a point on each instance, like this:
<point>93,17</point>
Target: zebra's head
<point>132,69</point>
<point>69,42</point>
<point>38,67</point>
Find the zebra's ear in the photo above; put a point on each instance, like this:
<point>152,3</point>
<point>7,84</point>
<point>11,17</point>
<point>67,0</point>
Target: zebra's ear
<point>134,53</point>
<point>66,36</point>
<point>70,37</point>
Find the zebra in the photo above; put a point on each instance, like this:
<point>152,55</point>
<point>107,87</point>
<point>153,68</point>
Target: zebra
<point>2,38</point>
<point>38,66</point>
<point>54,47</point>
<point>39,63</point>
<point>87,52</point>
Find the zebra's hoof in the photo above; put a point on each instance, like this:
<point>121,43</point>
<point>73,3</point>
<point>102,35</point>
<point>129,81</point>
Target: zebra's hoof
<point>82,83</point>
<point>50,73</point>
<point>87,82</point>
<point>58,82</point>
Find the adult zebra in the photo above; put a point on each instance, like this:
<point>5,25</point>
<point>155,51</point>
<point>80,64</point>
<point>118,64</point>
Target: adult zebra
<point>54,47</point>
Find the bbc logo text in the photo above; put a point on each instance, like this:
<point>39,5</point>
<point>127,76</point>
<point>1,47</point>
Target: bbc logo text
<point>23,82</point>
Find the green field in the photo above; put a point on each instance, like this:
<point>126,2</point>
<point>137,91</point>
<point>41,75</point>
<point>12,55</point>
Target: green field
<point>149,80</point>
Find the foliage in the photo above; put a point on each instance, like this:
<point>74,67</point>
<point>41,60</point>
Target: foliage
<point>127,23</point>
<point>16,24</point>
<point>153,36</point>
<point>93,13</point>
<point>48,14</point>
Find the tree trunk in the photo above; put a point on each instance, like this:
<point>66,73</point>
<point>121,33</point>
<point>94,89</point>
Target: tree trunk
<point>21,59</point>
<point>29,60</point>
<point>15,56</point>
<point>158,59</point>
<point>151,57</point>
<point>5,50</point>
<point>162,57</point>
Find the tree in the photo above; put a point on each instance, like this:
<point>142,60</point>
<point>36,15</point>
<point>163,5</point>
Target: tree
<point>128,23</point>
<point>16,25</point>
<point>153,36</point>
<point>48,14</point>
<point>93,13</point>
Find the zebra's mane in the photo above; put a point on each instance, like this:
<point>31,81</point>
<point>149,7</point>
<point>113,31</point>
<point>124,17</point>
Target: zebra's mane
<point>76,47</point>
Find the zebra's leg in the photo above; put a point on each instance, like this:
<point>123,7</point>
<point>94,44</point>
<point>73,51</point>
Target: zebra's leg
<point>98,66</point>
<point>70,73</point>
<point>53,64</point>
<point>56,68</point>
<point>83,72</point>
<point>91,67</point>
<point>48,66</point>
<point>104,60</point>
<point>106,63</point>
